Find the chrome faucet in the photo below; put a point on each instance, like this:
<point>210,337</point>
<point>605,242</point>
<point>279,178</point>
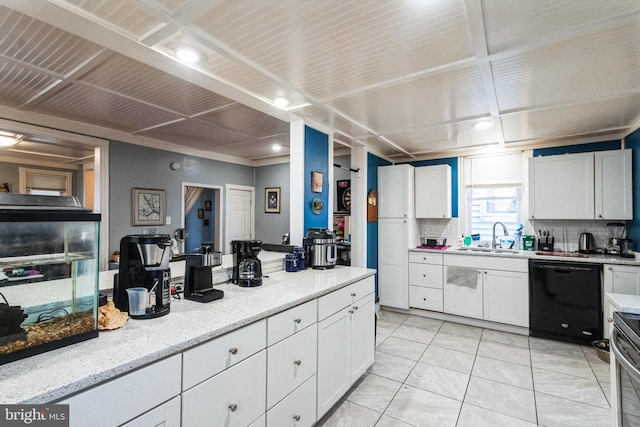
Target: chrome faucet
<point>506,233</point>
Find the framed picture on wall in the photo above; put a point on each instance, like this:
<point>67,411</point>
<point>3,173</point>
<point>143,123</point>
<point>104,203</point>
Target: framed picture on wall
<point>148,206</point>
<point>200,213</point>
<point>207,205</point>
<point>272,200</point>
<point>316,182</point>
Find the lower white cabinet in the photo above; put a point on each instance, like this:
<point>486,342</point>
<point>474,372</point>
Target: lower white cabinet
<point>618,279</point>
<point>297,409</point>
<point>346,346</point>
<point>127,397</point>
<point>165,415</point>
<point>463,291</point>
<point>426,298</point>
<point>506,297</point>
<point>234,398</point>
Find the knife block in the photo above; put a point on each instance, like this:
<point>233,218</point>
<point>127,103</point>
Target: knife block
<point>545,244</point>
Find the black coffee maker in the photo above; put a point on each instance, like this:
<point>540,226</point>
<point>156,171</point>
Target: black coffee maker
<point>144,262</point>
<point>198,280</point>
<point>247,269</point>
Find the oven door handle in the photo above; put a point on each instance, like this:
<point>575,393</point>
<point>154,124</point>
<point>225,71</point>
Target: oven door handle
<point>628,367</point>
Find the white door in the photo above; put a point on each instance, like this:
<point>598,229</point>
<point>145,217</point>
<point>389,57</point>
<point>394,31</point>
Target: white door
<point>240,216</point>
<point>393,262</point>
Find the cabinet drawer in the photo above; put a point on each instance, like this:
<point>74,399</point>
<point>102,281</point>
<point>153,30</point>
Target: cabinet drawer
<point>427,275</point>
<point>296,410</point>
<point>426,298</point>
<point>337,300</point>
<point>232,398</point>
<point>290,363</point>
<point>151,386</point>
<point>166,415</point>
<point>287,323</point>
<point>425,257</point>
<point>212,357</point>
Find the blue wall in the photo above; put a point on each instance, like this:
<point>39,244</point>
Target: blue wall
<point>372,227</point>
<point>453,162</point>
<point>579,148</point>
<point>316,159</point>
<point>633,227</point>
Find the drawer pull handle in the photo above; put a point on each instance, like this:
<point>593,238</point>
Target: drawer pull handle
<point>424,299</point>
<point>355,307</point>
<point>353,294</point>
<point>233,350</point>
<point>297,320</point>
<point>233,407</point>
<point>297,362</point>
<point>296,417</point>
<point>609,319</point>
<point>424,275</point>
<point>610,268</point>
<point>351,311</point>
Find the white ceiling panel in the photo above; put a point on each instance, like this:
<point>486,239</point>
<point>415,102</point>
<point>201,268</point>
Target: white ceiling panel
<point>595,66</point>
<point>18,85</point>
<point>444,137</point>
<point>85,103</point>
<point>257,148</point>
<point>581,119</point>
<point>240,118</point>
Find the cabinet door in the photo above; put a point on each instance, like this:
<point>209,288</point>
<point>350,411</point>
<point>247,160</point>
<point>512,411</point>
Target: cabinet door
<point>463,291</point>
<point>393,191</point>
<point>426,298</point>
<point>166,415</point>
<point>233,398</point>
<point>296,410</point>
<point>333,360</point>
<point>506,297</point>
<point>432,191</point>
<point>619,279</point>
<point>363,341</point>
<point>562,187</point>
<point>613,184</point>
<point>393,265</point>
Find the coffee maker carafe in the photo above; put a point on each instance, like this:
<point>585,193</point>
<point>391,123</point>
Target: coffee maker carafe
<point>144,262</point>
<point>198,280</point>
<point>247,268</point>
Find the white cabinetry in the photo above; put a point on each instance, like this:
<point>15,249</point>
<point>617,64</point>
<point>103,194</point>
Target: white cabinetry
<point>396,233</point>
<point>488,288</point>
<point>618,279</point>
<point>582,186</point>
<point>613,185</point>
<point>433,191</point>
<point>562,187</point>
<point>127,397</point>
<point>165,415</point>
<point>425,281</point>
<point>346,340</point>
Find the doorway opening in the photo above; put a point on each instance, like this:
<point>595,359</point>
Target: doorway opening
<point>202,214</point>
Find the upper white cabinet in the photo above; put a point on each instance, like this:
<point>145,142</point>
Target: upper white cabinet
<point>614,199</point>
<point>433,191</point>
<point>582,186</point>
<point>562,187</point>
<point>395,191</point>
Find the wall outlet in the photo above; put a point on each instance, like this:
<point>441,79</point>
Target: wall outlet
<point>168,221</point>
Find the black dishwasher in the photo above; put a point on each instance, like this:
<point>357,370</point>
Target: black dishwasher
<point>565,301</point>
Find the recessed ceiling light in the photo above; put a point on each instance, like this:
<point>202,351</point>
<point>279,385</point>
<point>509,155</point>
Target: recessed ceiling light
<point>6,133</point>
<point>485,124</point>
<point>186,54</point>
<point>280,102</point>
<point>7,141</point>
<point>276,147</point>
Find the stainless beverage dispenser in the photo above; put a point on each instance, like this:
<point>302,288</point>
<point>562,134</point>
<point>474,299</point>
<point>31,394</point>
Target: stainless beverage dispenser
<point>144,262</point>
<point>198,281</point>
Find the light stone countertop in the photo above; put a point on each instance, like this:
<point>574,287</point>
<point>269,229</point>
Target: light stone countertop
<point>625,303</point>
<point>595,258</point>
<point>56,374</point>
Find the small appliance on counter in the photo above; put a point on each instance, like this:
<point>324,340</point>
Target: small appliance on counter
<point>144,263</point>
<point>587,244</point>
<point>618,244</point>
<point>433,243</point>
<point>198,281</point>
<point>247,268</point>
<point>320,245</point>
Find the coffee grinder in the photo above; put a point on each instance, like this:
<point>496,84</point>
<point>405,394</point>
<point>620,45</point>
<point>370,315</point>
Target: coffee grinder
<point>144,262</point>
<point>247,268</point>
<point>198,282</point>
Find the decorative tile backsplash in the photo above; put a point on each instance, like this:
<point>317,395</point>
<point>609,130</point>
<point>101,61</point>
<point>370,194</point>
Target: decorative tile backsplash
<point>440,228</point>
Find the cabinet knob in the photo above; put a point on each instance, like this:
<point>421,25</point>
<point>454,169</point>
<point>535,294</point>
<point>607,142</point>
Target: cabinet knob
<point>600,216</point>
<point>233,350</point>
<point>424,299</point>
<point>351,311</point>
<point>353,294</point>
<point>297,362</point>
<point>610,268</point>
<point>424,275</point>
<point>233,407</point>
<point>609,319</point>
<point>297,320</point>
<point>296,417</point>
<point>355,307</point>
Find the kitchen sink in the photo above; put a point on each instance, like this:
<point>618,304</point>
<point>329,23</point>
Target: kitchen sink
<point>489,250</point>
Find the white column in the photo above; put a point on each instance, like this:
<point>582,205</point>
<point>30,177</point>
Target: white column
<point>359,207</point>
<point>296,182</point>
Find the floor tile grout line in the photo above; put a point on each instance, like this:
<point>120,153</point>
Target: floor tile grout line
<point>533,384</point>
<point>574,401</point>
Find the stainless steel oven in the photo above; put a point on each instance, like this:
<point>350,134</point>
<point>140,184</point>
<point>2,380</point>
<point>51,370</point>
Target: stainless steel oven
<point>625,384</point>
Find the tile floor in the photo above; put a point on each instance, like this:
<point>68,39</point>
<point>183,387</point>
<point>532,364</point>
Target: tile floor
<point>433,373</point>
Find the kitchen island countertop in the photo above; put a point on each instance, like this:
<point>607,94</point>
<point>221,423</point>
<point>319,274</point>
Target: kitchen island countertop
<point>59,373</point>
